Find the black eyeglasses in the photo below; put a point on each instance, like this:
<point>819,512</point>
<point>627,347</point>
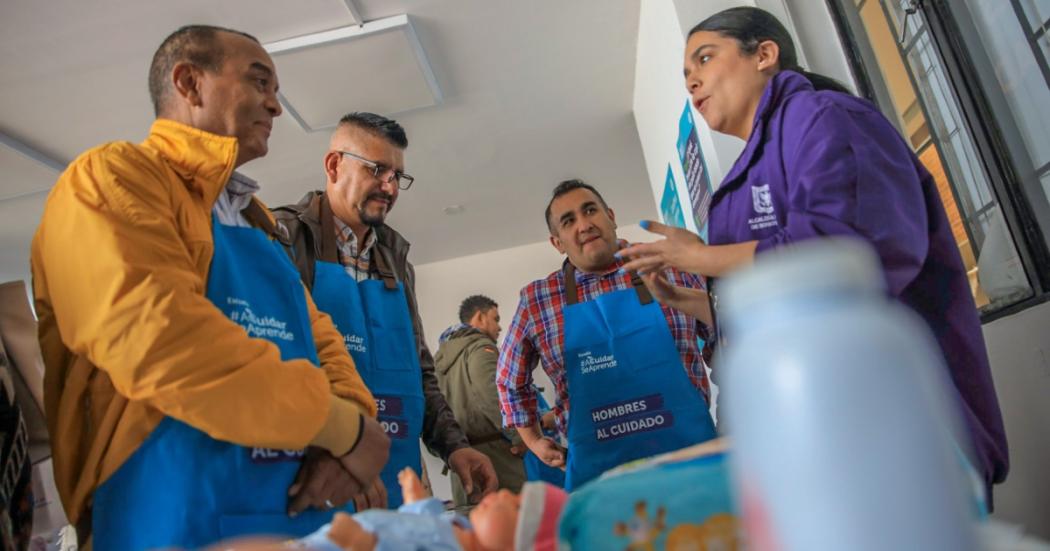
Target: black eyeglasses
<point>382,172</point>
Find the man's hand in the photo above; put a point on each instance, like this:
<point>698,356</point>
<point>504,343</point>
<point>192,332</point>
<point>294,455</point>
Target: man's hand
<point>475,471</point>
<point>374,498</point>
<point>322,483</point>
<point>548,451</point>
<point>370,455</point>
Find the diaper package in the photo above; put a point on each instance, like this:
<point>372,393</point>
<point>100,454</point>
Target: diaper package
<point>680,501</point>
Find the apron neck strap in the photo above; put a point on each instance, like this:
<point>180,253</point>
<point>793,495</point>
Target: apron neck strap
<point>382,267</point>
<point>257,217</point>
<point>572,295</point>
<point>569,271</point>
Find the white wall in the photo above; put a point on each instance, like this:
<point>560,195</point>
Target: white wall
<point>500,275</point>
<point>817,40</point>
<point>660,96</point>
<point>1019,350</point>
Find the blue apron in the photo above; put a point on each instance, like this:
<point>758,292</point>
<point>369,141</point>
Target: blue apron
<point>536,469</point>
<point>184,489</point>
<point>377,330</point>
<point>629,396</point>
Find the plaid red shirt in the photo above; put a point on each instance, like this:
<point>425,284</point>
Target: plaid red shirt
<point>535,333</point>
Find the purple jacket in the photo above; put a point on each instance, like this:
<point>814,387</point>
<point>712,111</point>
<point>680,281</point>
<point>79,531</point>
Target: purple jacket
<point>826,163</point>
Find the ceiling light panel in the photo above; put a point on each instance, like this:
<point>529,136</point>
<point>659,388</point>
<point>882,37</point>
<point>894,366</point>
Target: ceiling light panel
<point>378,67</point>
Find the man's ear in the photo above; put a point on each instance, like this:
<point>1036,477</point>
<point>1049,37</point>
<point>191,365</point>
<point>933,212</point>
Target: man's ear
<point>331,165</point>
<point>612,216</point>
<point>556,242</point>
<point>186,81</point>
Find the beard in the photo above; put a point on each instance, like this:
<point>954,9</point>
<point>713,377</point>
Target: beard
<point>375,220</point>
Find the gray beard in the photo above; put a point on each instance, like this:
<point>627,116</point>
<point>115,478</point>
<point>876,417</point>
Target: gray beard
<point>371,221</point>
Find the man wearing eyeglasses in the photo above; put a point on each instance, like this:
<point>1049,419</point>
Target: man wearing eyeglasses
<point>358,271</point>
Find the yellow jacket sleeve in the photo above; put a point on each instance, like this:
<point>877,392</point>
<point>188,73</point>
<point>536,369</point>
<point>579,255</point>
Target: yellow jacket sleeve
<point>337,363</point>
<point>129,295</point>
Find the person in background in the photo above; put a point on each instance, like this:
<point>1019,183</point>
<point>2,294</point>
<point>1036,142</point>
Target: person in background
<point>820,162</point>
<point>186,368</point>
<point>358,271</point>
<point>466,370</point>
<point>627,371</point>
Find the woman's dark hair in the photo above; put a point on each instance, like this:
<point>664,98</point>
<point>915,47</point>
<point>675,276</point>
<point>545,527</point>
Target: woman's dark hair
<point>752,26</point>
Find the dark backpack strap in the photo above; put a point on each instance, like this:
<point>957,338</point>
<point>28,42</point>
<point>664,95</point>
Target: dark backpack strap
<point>572,293</point>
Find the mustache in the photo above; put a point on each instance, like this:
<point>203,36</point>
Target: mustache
<point>588,235</point>
<point>380,195</point>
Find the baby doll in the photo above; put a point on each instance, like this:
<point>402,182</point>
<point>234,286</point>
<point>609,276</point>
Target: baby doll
<point>502,521</point>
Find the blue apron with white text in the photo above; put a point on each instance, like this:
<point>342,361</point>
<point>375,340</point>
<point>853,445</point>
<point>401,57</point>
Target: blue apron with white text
<point>377,330</point>
<point>184,489</point>
<point>535,469</point>
<point>629,396</point>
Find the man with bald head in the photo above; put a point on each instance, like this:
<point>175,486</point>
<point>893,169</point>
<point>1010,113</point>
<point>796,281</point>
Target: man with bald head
<point>358,271</point>
<point>188,372</point>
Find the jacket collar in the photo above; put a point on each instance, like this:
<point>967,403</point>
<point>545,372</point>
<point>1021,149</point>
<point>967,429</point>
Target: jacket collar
<point>308,210</point>
<point>456,331</point>
<point>782,85</point>
<point>202,159</point>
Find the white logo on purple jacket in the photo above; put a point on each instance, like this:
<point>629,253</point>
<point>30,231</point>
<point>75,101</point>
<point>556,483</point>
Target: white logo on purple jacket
<point>762,199</point>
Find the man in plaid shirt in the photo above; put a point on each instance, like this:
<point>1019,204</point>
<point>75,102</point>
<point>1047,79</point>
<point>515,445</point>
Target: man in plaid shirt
<point>583,228</point>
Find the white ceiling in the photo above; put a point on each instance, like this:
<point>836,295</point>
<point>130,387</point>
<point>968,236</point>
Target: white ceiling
<point>533,92</point>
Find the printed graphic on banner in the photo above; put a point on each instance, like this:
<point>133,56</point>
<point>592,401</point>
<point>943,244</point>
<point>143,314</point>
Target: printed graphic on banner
<point>389,408</point>
<point>629,417</point>
<point>269,455</point>
<point>263,327</point>
<point>697,180</point>
<point>670,206</point>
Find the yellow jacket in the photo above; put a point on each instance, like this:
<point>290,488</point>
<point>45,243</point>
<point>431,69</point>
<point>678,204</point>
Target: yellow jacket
<point>120,264</point>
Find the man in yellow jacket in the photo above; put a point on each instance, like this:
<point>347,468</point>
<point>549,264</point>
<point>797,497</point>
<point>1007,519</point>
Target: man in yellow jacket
<point>186,367</point>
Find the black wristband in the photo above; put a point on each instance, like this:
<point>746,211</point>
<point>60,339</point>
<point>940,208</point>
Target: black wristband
<point>360,433</point>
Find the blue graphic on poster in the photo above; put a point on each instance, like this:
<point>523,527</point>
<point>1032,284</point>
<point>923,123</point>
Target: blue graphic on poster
<point>670,206</point>
<point>697,180</point>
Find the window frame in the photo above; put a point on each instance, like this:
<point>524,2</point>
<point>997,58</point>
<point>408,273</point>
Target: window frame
<point>977,114</point>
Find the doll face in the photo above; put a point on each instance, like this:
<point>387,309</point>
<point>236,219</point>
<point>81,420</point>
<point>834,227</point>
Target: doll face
<point>495,520</point>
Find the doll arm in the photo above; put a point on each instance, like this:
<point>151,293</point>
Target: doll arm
<point>411,486</point>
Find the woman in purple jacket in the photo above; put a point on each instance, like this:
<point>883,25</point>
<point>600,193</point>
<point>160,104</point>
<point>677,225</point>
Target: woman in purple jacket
<point>821,162</point>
